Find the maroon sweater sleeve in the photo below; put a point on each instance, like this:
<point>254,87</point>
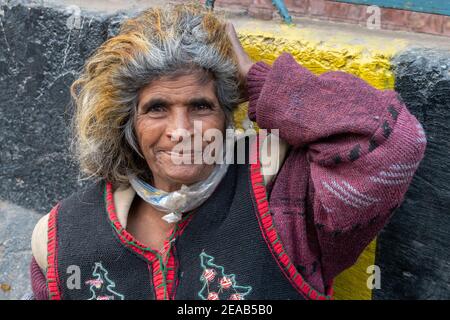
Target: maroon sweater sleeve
<point>361,148</point>
<point>38,281</point>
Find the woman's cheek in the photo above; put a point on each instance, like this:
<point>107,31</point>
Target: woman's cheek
<point>147,135</point>
<point>215,121</point>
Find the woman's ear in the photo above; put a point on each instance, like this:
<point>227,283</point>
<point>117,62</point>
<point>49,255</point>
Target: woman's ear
<point>131,137</point>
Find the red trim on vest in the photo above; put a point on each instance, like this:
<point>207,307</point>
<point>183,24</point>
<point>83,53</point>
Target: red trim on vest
<point>52,256</point>
<point>271,237</point>
<point>176,281</point>
<point>163,289</point>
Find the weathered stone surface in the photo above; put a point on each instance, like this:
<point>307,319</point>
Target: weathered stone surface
<point>42,49</point>
<point>413,250</point>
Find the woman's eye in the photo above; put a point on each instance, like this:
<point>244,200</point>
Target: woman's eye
<point>202,107</point>
<point>156,108</point>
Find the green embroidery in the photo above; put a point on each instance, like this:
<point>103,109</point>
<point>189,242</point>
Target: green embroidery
<point>216,284</point>
<point>102,288</point>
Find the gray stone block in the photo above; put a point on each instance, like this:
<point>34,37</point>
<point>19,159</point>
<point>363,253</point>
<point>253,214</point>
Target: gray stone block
<point>413,249</point>
<point>42,51</point>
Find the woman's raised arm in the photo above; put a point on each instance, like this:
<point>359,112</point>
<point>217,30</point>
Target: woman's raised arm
<point>363,147</point>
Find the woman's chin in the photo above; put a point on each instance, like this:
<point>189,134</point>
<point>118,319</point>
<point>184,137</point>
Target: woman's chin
<point>188,174</point>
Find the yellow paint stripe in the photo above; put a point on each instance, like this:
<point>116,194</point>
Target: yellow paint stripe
<point>352,283</point>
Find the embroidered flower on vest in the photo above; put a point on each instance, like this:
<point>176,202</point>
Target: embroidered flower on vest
<point>216,284</point>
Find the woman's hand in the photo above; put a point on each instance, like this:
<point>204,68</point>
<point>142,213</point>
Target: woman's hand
<point>243,60</point>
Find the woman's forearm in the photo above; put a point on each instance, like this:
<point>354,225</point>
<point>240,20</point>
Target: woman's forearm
<point>307,108</point>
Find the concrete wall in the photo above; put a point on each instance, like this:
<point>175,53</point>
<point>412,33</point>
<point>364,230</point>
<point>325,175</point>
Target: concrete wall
<point>43,47</point>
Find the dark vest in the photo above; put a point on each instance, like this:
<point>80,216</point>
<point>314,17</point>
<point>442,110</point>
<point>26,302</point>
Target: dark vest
<point>226,249</point>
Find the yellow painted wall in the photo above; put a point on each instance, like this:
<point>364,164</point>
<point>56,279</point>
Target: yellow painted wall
<point>367,58</point>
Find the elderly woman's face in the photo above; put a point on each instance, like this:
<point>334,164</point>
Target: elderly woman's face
<point>169,104</point>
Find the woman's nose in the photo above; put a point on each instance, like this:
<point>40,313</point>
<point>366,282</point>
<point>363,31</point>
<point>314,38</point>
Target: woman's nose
<point>179,126</point>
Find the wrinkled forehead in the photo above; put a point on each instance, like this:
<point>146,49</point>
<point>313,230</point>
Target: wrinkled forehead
<point>197,77</point>
<point>180,88</point>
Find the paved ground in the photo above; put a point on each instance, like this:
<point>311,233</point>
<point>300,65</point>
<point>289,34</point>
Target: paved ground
<point>16,226</point>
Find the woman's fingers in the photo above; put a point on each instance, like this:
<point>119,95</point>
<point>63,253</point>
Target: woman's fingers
<point>244,61</point>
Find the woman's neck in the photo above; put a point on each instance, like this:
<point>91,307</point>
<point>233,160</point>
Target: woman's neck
<point>167,186</point>
<point>145,224</point>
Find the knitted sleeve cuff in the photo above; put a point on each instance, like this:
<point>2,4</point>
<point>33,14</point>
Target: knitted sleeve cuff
<point>255,80</point>
<point>38,281</point>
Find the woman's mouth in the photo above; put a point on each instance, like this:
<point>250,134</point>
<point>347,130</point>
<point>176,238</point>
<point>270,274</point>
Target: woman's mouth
<point>180,154</point>
<point>182,157</point>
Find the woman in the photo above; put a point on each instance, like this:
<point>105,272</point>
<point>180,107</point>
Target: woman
<point>152,228</point>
